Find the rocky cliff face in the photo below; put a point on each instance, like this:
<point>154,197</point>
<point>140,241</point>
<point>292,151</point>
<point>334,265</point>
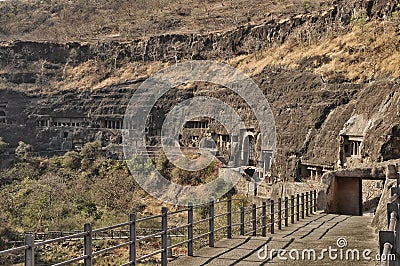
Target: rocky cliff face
<point>310,112</point>
<point>25,62</point>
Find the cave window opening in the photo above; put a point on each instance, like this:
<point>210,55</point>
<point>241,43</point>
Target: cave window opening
<point>250,151</point>
<point>347,150</point>
<point>196,124</point>
<point>225,138</point>
<point>42,123</point>
<point>355,145</point>
<point>3,117</point>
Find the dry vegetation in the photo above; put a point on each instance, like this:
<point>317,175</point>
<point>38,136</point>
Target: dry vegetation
<point>94,74</point>
<point>87,20</point>
<point>368,52</point>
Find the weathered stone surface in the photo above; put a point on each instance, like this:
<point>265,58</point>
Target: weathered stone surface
<point>286,189</point>
<point>380,221</point>
<point>331,193</point>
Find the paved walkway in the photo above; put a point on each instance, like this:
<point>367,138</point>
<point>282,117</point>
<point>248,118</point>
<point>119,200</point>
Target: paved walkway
<point>318,232</point>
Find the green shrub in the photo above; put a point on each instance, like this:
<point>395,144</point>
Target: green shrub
<point>23,151</point>
<point>3,146</point>
<point>91,150</point>
<point>71,160</point>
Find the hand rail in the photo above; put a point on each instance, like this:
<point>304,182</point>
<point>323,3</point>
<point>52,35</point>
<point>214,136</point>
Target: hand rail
<point>12,250</point>
<point>261,219</point>
<point>389,240</point>
<point>111,227</point>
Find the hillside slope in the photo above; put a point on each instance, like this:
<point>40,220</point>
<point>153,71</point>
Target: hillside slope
<point>91,20</point>
<point>318,69</point>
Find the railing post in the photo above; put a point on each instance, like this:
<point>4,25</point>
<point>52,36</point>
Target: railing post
<point>307,206</point>
<point>272,217</point>
<point>30,251</point>
<point>386,238</point>
<point>264,219</point>
<point>279,214</point>
<point>164,239</point>
<point>242,219</point>
<point>190,229</point>
<point>169,243</point>
<point>211,225</point>
<point>298,207</point>
<point>391,207</point>
<point>397,239</point>
<point>88,261</point>
<point>302,205</point>
<point>132,238</point>
<point>254,219</point>
<point>315,201</point>
<point>311,203</point>
<point>292,209</point>
<point>229,216</point>
<point>286,212</point>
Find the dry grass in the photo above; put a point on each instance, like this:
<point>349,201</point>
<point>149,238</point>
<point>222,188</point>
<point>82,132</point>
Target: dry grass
<point>366,53</point>
<point>58,20</point>
<point>91,75</point>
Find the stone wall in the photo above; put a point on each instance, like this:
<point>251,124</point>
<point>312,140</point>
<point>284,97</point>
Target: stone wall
<point>380,221</point>
<point>331,194</point>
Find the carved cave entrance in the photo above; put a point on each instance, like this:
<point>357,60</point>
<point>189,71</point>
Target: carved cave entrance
<point>347,195</point>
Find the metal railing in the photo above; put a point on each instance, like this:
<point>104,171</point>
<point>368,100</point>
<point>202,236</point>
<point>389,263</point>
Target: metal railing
<point>103,235</point>
<point>389,240</point>
<point>253,220</point>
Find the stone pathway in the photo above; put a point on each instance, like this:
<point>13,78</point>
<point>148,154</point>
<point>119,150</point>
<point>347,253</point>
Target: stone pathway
<point>317,232</point>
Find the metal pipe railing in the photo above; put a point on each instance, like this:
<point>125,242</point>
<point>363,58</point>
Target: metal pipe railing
<point>262,219</point>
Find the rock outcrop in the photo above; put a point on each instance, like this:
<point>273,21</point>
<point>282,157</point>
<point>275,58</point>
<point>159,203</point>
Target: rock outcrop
<point>310,113</point>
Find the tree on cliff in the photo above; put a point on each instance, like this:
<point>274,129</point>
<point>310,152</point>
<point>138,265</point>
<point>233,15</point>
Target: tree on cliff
<point>3,146</point>
<point>23,151</point>
<point>91,150</point>
<point>162,164</point>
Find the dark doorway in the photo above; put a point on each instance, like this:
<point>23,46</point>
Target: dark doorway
<point>346,196</point>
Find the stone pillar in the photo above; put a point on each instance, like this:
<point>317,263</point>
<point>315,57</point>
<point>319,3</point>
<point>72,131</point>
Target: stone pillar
<point>391,172</point>
<point>341,153</point>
